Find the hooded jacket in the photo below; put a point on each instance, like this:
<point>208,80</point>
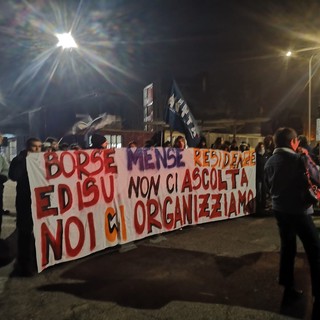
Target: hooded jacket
<point>285,177</point>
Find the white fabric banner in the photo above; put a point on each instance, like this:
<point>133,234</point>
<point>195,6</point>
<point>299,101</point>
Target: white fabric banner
<point>84,201</point>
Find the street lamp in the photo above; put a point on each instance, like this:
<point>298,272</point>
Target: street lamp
<point>288,54</point>
<point>309,98</point>
<point>309,94</point>
<point>66,41</point>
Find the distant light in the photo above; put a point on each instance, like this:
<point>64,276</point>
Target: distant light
<point>66,41</point>
<point>288,54</point>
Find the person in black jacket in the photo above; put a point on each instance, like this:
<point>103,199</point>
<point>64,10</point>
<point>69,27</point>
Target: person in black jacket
<point>25,265</point>
<point>286,179</point>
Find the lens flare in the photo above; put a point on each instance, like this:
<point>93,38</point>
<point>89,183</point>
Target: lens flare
<point>66,41</point>
<point>67,46</point>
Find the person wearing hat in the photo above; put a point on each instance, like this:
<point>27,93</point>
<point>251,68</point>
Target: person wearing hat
<point>98,141</point>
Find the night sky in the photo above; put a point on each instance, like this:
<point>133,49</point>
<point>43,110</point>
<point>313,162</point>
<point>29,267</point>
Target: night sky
<point>238,46</point>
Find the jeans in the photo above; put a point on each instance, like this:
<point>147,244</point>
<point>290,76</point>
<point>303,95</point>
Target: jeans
<point>301,225</point>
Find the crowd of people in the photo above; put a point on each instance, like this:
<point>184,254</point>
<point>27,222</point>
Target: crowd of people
<point>219,144</point>
<point>285,164</point>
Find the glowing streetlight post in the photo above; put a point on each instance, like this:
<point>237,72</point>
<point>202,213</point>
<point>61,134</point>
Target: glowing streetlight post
<point>288,54</point>
<point>309,98</point>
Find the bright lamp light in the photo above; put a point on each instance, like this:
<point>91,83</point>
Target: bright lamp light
<point>66,41</point>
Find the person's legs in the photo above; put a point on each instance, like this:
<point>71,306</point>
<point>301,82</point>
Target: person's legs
<point>288,249</point>
<point>258,197</point>
<point>263,195</point>
<point>316,309</point>
<point>309,236</point>
<point>25,263</point>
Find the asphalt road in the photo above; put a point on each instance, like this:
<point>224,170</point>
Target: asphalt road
<point>220,270</point>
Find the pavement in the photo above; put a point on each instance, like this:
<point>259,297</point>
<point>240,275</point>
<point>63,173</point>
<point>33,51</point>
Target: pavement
<point>220,270</point>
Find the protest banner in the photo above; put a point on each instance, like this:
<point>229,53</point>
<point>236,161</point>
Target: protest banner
<point>84,201</point>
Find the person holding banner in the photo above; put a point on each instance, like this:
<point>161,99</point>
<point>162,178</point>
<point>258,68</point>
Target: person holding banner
<point>203,143</point>
<point>51,144</point>
<point>132,144</point>
<point>286,179</point>
<point>25,265</point>
<point>98,141</point>
<point>179,142</point>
